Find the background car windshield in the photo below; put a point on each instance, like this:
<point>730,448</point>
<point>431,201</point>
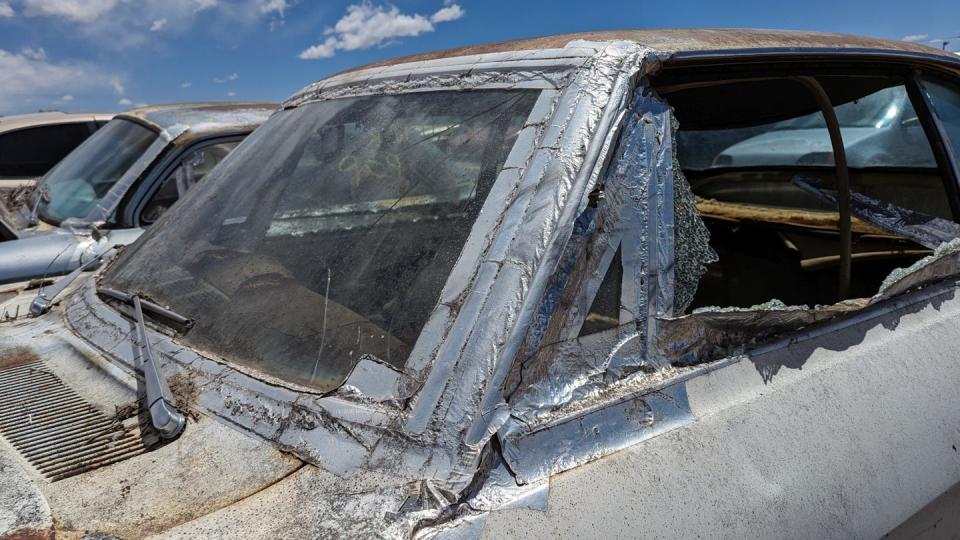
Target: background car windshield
<point>73,188</point>
<point>328,235</point>
<point>878,130</point>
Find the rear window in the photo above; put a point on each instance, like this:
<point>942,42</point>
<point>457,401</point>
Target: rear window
<point>34,151</point>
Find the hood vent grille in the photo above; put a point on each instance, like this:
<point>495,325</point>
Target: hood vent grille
<point>56,430</point>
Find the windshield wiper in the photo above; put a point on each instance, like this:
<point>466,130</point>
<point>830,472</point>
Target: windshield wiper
<point>43,195</point>
<point>46,295</point>
<point>156,309</point>
<point>164,415</point>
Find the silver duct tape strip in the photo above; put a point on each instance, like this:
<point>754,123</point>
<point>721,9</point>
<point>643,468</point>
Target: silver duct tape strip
<point>641,175</point>
<point>928,231</point>
<point>593,100</point>
<point>501,491</point>
<point>535,213</point>
<point>111,200</point>
<point>706,336</point>
<point>518,67</point>
<point>575,441</point>
<point>550,77</point>
<point>502,213</point>
<point>942,264</point>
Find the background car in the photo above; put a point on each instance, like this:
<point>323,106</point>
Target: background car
<point>31,144</point>
<point>117,182</point>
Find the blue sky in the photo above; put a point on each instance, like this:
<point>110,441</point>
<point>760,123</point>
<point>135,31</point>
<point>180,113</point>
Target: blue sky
<point>84,55</point>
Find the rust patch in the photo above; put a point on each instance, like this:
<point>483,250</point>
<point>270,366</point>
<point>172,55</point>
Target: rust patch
<point>17,357</point>
<point>17,197</point>
<point>185,390</point>
<point>678,40</point>
<point>30,534</point>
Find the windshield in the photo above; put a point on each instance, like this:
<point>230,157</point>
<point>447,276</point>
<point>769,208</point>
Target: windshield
<point>328,235</point>
<point>75,186</point>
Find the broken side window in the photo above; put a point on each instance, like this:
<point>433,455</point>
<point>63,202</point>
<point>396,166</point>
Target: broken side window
<point>742,144</point>
<point>945,101</point>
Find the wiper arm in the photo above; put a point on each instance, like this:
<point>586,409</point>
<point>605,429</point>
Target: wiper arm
<point>45,297</point>
<point>147,305</point>
<point>42,195</point>
<point>164,415</point>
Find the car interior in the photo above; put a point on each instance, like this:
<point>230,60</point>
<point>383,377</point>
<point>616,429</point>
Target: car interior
<point>745,137</point>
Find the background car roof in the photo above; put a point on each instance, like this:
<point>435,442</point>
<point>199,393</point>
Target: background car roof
<point>20,121</point>
<point>686,40</point>
<point>204,118</point>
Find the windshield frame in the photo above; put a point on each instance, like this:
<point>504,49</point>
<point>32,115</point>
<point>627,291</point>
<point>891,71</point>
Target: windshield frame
<point>584,89</point>
<point>103,210</point>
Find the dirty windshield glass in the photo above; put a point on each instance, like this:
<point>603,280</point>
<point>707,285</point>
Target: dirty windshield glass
<point>327,236</point>
<point>73,188</point>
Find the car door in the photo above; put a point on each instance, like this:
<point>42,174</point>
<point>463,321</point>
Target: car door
<point>650,418</point>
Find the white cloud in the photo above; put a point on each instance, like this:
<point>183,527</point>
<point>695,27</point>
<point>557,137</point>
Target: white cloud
<point>140,105</point>
<point>29,83</point>
<point>451,12</point>
<point>228,78</point>
<point>38,54</point>
<point>75,10</point>
<point>186,84</point>
<point>915,37</point>
<point>125,102</point>
<point>64,99</point>
<point>117,86</point>
<point>119,24</point>
<point>366,25</point>
<point>6,10</point>
<point>279,6</point>
<point>231,93</point>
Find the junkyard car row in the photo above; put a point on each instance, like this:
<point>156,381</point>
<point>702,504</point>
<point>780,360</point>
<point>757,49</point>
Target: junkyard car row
<point>616,284</point>
<point>114,185</point>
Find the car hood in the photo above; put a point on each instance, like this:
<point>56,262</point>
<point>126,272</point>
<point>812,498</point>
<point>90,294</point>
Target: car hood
<point>209,467</point>
<point>788,146</point>
<point>55,251</point>
<point>216,479</point>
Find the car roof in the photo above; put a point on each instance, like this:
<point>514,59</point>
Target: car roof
<point>688,40</point>
<point>20,121</point>
<point>204,118</point>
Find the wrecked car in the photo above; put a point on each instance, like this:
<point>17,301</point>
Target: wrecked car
<point>508,290</point>
<point>31,144</point>
<point>119,181</point>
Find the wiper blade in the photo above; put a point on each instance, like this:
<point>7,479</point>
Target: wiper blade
<point>46,295</point>
<point>166,418</point>
<point>147,305</point>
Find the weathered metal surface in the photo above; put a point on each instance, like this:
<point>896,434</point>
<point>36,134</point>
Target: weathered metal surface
<point>56,252</point>
<point>682,40</point>
<point>862,418</point>
<point>24,512</point>
<point>55,429</point>
<point>203,118</point>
